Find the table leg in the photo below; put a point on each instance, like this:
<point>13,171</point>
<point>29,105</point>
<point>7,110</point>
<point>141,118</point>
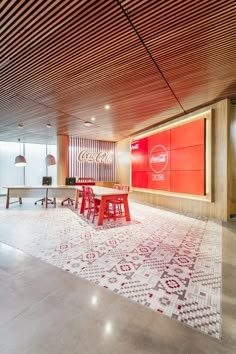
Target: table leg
<point>8,198</point>
<point>101,211</point>
<point>46,198</point>
<point>126,207</point>
<point>82,204</point>
<point>77,199</point>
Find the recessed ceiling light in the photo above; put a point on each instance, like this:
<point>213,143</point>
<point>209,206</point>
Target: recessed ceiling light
<point>20,126</point>
<point>107,106</point>
<point>49,125</point>
<point>87,124</point>
<point>93,118</point>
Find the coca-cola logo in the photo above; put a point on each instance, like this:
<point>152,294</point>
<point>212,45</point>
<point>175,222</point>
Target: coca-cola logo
<point>158,158</point>
<point>135,146</point>
<point>97,157</point>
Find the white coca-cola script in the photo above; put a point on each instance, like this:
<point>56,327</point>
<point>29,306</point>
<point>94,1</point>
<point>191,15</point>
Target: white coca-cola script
<point>98,157</point>
<point>160,158</point>
<point>135,146</point>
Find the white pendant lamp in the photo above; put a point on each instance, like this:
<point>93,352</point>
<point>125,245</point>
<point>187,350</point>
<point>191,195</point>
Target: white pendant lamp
<point>20,160</point>
<point>50,160</point>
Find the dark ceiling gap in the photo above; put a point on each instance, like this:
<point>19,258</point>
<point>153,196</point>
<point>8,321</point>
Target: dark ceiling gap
<point>150,55</point>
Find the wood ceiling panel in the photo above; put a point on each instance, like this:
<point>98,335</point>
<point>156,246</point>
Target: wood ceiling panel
<point>195,51</point>
<point>61,61</point>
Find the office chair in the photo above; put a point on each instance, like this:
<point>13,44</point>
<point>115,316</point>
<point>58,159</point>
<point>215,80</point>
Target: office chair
<point>69,181</point>
<point>46,181</point>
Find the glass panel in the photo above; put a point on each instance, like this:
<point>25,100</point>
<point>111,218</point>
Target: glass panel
<point>36,168</point>
<point>10,175</point>
<point>52,170</point>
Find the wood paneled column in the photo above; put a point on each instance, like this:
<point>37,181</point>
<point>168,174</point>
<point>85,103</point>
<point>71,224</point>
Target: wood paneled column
<point>62,158</point>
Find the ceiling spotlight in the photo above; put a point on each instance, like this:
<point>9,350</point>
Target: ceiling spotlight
<point>107,106</point>
<point>49,125</point>
<point>93,118</point>
<point>20,126</point>
<point>87,124</point>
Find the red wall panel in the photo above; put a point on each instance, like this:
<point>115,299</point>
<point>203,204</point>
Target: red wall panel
<point>188,134</point>
<point>159,159</point>
<point>139,162</point>
<point>140,179</point>
<point>188,158</point>
<point>139,147</point>
<point>159,140</point>
<point>159,181</point>
<point>191,182</point>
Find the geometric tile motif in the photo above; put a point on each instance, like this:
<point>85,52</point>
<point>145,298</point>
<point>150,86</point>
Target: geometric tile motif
<point>162,259</point>
<point>173,284</point>
<point>199,317</point>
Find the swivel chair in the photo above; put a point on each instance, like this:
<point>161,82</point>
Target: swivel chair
<point>46,181</point>
<point>69,181</point>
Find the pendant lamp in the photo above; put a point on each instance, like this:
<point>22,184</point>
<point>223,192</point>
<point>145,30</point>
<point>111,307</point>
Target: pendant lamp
<point>50,160</point>
<point>20,160</point>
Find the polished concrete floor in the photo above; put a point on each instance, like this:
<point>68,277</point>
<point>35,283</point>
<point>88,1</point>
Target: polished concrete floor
<point>45,310</point>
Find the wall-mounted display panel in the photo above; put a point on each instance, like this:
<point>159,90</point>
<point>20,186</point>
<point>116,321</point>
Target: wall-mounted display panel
<point>175,159</point>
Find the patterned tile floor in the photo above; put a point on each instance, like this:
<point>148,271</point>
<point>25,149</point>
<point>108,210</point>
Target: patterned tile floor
<point>167,261</point>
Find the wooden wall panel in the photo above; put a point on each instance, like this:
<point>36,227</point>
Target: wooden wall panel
<point>105,184</point>
<point>123,161</point>
<point>232,161</point>
<point>62,158</point>
<point>216,209</point>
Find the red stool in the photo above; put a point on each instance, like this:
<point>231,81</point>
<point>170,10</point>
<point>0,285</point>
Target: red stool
<point>115,208</point>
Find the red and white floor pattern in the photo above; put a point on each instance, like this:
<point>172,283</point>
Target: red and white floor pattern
<point>166,261</point>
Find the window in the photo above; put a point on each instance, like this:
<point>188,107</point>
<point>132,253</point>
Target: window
<point>35,169</point>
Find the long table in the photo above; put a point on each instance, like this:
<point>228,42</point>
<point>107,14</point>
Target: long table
<point>106,194</point>
<point>42,192</point>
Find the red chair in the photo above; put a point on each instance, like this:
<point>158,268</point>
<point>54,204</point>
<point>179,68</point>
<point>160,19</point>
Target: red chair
<point>125,188</point>
<point>116,186</point>
<point>85,199</point>
<point>93,203</point>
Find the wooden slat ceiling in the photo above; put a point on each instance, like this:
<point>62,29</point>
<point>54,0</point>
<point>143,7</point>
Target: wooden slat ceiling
<point>151,61</point>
